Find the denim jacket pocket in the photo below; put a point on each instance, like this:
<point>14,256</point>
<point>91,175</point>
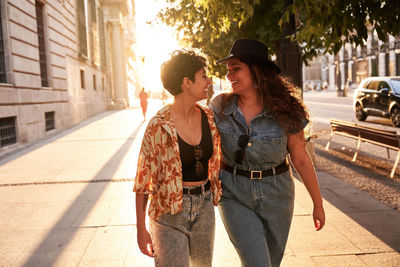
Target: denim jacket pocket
<point>228,144</point>
<point>273,148</point>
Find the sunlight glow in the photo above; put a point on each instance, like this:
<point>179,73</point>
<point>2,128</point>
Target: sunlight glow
<point>154,43</point>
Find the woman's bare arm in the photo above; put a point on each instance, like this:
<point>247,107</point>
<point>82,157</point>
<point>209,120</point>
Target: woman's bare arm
<point>305,168</point>
<point>143,236</point>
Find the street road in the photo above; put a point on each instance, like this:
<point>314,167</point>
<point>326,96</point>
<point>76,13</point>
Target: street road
<point>326,105</point>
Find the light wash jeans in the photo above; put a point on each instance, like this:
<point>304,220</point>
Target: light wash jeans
<point>185,237</point>
<point>257,215</point>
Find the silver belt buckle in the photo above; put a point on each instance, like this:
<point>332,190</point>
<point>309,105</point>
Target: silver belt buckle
<point>256,175</point>
<point>190,194</point>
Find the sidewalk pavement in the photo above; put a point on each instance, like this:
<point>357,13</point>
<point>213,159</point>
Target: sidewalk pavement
<point>68,201</point>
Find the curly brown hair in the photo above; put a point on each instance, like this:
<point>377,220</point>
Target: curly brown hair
<point>279,97</point>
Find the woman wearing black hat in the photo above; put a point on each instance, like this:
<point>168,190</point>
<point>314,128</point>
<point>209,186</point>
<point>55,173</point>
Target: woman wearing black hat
<point>178,170</point>
<point>260,123</point>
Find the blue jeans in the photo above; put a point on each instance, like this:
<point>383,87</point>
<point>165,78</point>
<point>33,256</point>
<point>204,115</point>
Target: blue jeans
<point>185,237</point>
<point>257,215</point>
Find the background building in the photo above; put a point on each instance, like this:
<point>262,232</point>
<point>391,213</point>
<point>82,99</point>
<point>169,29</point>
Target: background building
<point>352,64</point>
<point>61,61</point>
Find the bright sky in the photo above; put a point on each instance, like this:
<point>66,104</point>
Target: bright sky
<point>154,42</point>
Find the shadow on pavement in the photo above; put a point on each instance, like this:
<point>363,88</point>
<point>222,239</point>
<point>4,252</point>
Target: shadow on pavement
<point>109,167</point>
<point>27,148</point>
<point>374,216</point>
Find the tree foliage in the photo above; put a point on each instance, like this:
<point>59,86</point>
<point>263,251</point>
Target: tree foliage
<point>328,25</point>
<point>321,25</point>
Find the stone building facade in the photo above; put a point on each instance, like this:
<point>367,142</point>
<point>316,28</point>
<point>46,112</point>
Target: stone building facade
<point>61,62</point>
<point>352,64</point>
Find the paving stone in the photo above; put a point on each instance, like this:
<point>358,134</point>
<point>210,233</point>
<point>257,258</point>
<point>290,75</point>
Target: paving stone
<point>78,223</point>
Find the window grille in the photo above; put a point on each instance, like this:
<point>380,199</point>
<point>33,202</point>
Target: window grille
<point>3,76</point>
<point>94,82</point>
<point>42,48</point>
<point>93,11</point>
<point>8,133</point>
<point>102,40</point>
<point>82,79</point>
<point>49,117</point>
<point>94,31</point>
<point>82,28</point>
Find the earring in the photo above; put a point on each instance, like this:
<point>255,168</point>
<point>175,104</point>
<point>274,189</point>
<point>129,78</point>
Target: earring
<point>255,85</point>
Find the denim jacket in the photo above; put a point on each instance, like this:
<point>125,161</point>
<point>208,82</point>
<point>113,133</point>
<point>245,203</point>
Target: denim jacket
<point>267,146</point>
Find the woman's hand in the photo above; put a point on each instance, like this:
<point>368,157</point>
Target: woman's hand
<point>319,217</point>
<point>144,242</point>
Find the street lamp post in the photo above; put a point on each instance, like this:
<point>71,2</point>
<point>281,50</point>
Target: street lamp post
<point>289,57</point>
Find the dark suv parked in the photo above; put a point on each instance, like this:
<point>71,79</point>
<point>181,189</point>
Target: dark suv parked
<point>378,96</point>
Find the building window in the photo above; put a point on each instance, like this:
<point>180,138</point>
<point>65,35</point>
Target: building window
<point>387,64</point>
<point>82,29</point>
<point>3,76</point>
<point>94,82</point>
<point>49,118</point>
<point>8,133</point>
<point>102,40</point>
<point>82,79</point>
<point>42,50</point>
<point>398,64</point>
<point>94,44</point>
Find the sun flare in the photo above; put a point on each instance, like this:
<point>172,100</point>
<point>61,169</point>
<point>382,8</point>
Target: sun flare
<point>155,42</point>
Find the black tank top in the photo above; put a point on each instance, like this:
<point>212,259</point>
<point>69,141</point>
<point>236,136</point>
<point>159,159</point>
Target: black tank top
<point>188,157</point>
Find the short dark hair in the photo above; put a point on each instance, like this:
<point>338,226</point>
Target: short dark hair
<point>183,63</point>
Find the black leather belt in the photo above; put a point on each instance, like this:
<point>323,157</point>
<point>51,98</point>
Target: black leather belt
<point>258,175</point>
<point>193,191</point>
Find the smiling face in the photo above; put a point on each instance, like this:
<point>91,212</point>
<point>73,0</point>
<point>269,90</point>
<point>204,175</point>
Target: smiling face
<point>198,88</point>
<point>240,77</point>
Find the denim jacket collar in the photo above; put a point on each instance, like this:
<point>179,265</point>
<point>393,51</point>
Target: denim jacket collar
<point>232,107</point>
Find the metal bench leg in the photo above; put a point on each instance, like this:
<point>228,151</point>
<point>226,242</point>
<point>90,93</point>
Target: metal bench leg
<point>358,147</point>
<point>329,142</point>
<point>395,164</point>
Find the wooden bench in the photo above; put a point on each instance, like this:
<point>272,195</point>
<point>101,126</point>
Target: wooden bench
<point>383,138</point>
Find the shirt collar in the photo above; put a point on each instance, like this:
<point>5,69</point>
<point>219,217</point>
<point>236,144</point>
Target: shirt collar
<point>164,119</point>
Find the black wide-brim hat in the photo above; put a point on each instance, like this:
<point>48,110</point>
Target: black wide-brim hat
<point>253,50</point>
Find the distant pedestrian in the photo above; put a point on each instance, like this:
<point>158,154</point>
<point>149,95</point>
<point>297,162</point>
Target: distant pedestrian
<point>178,169</point>
<point>143,102</point>
<point>260,123</point>
<point>325,85</point>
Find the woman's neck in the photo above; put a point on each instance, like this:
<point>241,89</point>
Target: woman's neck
<point>250,100</point>
<point>182,108</point>
<point>251,105</point>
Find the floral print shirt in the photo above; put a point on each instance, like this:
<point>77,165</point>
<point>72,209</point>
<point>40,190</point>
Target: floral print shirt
<point>159,170</point>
